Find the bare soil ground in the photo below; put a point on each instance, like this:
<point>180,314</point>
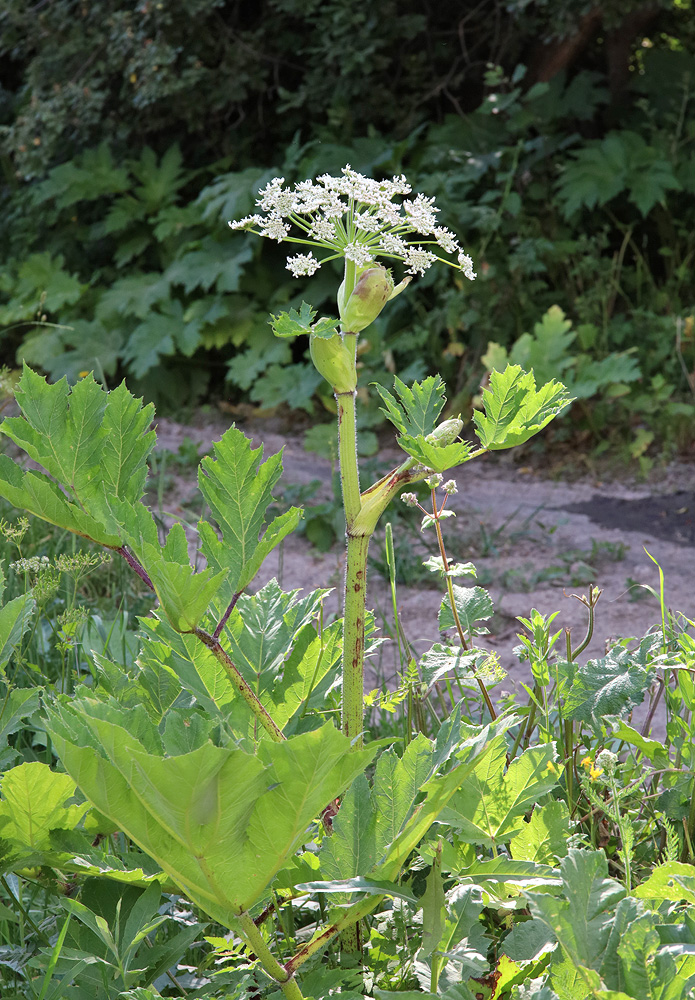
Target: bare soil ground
<point>536,542</point>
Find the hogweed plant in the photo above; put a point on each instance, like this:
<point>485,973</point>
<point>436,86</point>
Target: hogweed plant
<point>210,749</point>
<point>360,221</point>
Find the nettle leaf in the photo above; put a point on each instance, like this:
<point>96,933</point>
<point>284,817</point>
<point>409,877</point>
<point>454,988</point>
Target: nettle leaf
<point>544,837</point>
<point>473,604</point>
<point>34,803</point>
<point>294,323</point>
<point>221,822</point>
<point>489,807</point>
<point>581,919</point>
<point>611,685</point>
<point>238,490</point>
<point>515,410</point>
<point>437,457</point>
<point>416,410</point>
<point>441,660</point>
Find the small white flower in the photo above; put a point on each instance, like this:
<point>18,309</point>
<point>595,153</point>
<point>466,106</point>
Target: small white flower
<point>358,253</point>
<point>418,260</point>
<point>450,487</point>
<point>323,230</point>
<point>446,240</point>
<point>421,214</point>
<point>368,223</point>
<point>302,263</point>
<point>409,499</point>
<point>393,245</point>
<point>250,220</point>
<point>276,199</point>
<point>466,265</point>
<point>275,229</point>
<point>434,480</point>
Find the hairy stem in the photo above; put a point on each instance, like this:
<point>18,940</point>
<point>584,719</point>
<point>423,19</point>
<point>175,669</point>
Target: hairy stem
<point>353,637</point>
<point>240,684</point>
<point>350,918</point>
<point>135,565</point>
<point>347,451</point>
<point>282,976</point>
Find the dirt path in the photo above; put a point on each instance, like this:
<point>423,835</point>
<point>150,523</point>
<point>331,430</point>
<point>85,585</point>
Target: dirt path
<point>534,542</point>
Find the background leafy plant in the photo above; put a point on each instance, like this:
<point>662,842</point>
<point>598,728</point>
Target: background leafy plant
<point>119,238</point>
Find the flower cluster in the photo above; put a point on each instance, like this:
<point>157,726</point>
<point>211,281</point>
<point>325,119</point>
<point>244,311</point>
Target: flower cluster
<point>354,217</point>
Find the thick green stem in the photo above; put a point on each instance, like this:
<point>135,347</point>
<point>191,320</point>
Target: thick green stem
<point>347,452</point>
<point>353,637</point>
<point>279,973</point>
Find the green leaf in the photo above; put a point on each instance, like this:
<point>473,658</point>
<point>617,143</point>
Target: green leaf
<point>397,784</point>
<point>464,938</point>
<point>503,871</point>
<point>473,604</point>
<point>611,685</point>
<point>581,919</point>
<point>672,880</point>
<point>39,495</point>
<point>183,594</point>
<point>238,490</point>
<point>369,887</point>
<point>18,704</point>
<point>219,821</point>
<point>490,805</point>
<point>441,660</point>
<point>33,804</point>
<point>438,458</point>
<point>416,410</point>
<point>544,837</point>
<point>433,907</point>
<point>293,323</point>
<point>515,410</point>
<point>350,850</point>
<point>94,443</point>
<point>15,618</point>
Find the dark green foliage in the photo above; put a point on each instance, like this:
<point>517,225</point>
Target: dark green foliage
<point>143,129</point>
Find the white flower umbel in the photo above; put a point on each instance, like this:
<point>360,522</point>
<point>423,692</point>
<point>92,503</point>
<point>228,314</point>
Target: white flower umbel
<point>356,218</point>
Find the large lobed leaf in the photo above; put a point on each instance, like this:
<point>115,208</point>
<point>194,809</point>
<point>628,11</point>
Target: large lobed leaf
<point>219,821</point>
<point>489,807</point>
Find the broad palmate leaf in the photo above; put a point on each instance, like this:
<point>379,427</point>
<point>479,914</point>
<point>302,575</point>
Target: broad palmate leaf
<point>515,409</point>
<point>219,821</point>
<point>489,807</point>
<point>581,919</point>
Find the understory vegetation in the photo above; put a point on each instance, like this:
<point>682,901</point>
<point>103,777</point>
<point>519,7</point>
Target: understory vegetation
<point>565,168</point>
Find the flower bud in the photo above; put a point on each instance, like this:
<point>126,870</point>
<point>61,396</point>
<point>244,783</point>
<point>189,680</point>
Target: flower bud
<point>369,296</point>
<point>334,360</point>
<point>446,433</point>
